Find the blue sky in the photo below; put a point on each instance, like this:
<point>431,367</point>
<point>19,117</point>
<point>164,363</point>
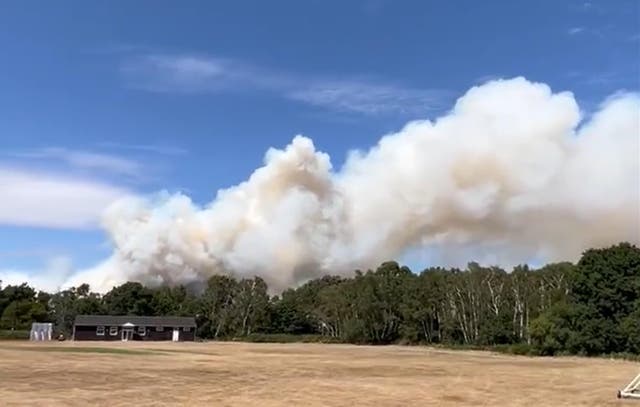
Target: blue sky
<point>100,99</point>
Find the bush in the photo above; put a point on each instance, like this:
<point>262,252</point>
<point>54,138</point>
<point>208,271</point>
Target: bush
<point>630,329</point>
<point>284,338</point>
<point>14,334</point>
<point>553,331</point>
<point>520,349</point>
<point>625,356</point>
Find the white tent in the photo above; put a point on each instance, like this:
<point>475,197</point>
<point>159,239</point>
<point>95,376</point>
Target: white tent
<point>41,331</point>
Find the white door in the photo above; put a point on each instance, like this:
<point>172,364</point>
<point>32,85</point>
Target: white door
<point>176,334</point>
<point>127,334</point>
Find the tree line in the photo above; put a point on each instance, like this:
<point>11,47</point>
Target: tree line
<point>591,307</point>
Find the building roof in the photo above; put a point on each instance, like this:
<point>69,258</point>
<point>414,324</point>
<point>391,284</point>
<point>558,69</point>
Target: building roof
<point>110,320</point>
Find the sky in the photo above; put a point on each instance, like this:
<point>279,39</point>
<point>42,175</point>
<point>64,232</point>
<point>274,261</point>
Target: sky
<point>99,100</point>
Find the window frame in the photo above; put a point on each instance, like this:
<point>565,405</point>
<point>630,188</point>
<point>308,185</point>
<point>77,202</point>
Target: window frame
<point>186,329</point>
<point>100,330</point>
<point>111,331</point>
<point>159,328</point>
<point>141,330</point>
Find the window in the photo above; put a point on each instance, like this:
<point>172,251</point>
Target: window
<point>113,330</point>
<point>141,331</point>
<point>159,328</point>
<point>100,330</point>
<point>186,329</point>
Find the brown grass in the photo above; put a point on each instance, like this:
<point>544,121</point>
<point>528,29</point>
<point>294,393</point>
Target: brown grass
<point>242,374</point>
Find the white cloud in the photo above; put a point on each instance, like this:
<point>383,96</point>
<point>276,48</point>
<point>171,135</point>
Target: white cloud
<point>589,7</point>
<point>368,98</point>
<point>149,148</point>
<point>201,74</point>
<point>84,160</point>
<point>43,199</point>
<point>49,278</point>
<point>180,73</point>
<point>620,78</point>
<point>575,30</point>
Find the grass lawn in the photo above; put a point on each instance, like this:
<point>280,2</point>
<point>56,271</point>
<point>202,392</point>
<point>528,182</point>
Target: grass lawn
<point>310,375</point>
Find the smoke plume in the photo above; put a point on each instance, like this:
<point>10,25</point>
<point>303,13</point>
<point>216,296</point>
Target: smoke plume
<point>511,174</point>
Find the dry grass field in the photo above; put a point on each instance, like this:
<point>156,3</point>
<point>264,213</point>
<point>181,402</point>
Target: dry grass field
<point>242,374</point>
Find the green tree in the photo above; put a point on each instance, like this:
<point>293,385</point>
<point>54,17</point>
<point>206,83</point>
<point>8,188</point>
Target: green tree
<point>171,301</point>
<point>250,306</point>
<point>20,314</point>
<point>630,329</point>
<point>607,283</point>
<point>609,280</point>
<point>129,299</point>
<point>67,304</point>
<point>216,305</point>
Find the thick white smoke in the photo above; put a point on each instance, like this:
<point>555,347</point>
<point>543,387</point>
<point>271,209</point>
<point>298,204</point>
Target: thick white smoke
<point>509,175</point>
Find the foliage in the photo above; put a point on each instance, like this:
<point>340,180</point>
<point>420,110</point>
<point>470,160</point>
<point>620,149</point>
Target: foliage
<point>129,299</point>
<point>13,334</point>
<point>588,308</point>
<point>602,314</point>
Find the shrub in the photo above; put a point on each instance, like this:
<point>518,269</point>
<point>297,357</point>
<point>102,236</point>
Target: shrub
<point>284,338</point>
<point>14,334</point>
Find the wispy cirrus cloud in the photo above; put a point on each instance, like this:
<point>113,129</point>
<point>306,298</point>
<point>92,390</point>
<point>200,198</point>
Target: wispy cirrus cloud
<point>597,32</point>
<point>589,7</point>
<point>145,148</point>
<point>164,73</point>
<point>367,97</point>
<point>622,77</point>
<point>185,73</point>
<point>82,160</point>
<point>606,31</point>
<point>575,30</point>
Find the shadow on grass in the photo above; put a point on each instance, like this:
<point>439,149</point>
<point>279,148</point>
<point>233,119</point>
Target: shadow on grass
<point>82,350</point>
<point>191,352</point>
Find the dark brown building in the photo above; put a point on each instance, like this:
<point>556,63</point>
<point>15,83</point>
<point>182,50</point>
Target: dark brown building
<point>133,328</point>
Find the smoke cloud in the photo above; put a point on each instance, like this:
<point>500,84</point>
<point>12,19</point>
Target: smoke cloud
<point>510,175</point>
